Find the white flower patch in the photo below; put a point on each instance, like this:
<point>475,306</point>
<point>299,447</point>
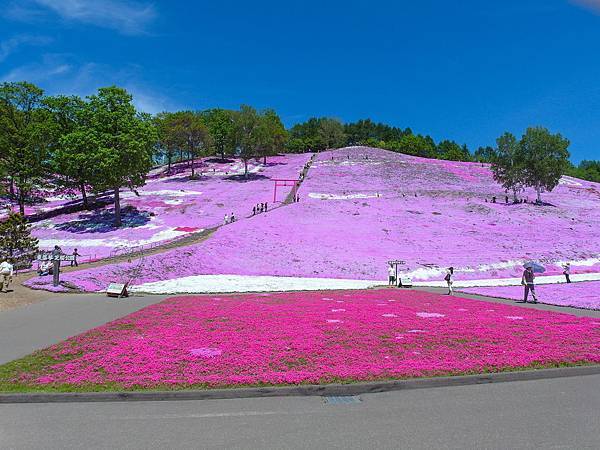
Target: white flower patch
<point>514,317</point>
<point>334,321</point>
<point>389,315</point>
<point>426,315</point>
<point>338,310</point>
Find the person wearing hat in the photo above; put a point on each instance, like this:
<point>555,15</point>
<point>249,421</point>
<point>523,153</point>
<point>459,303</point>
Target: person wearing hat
<point>528,283</point>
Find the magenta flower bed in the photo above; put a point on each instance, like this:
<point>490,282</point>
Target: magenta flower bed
<point>314,337</point>
<point>355,214</point>
<point>168,206</point>
<point>579,295</point>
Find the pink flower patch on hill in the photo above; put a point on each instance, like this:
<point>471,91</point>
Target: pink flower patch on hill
<point>294,338</point>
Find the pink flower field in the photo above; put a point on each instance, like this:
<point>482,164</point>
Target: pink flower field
<point>169,206</point>
<point>317,337</point>
<point>579,295</point>
<point>360,207</point>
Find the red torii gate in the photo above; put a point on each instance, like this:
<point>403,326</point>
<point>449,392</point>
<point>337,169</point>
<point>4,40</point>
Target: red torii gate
<point>281,183</point>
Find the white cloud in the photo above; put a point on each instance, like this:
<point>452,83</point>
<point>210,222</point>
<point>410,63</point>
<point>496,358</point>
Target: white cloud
<point>593,5</point>
<point>59,74</point>
<point>11,45</point>
<point>125,16</point>
<point>50,67</point>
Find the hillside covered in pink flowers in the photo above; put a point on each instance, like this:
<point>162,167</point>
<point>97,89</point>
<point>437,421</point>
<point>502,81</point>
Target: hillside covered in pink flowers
<point>360,207</point>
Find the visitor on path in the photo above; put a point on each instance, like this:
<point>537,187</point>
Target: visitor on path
<point>567,272</point>
<point>6,274</point>
<point>506,199</point>
<point>254,211</point>
<point>226,220</point>
<point>448,279</point>
<point>232,218</point>
<point>266,206</point>
<point>75,255</point>
<point>391,275</point>
<point>45,268</point>
<point>493,199</point>
<point>528,283</point>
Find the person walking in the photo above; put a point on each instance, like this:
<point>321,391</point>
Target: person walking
<point>391,275</point>
<point>226,219</point>
<point>567,272</point>
<point>232,218</point>
<point>528,283</point>
<point>266,206</point>
<point>448,279</point>
<point>6,274</point>
<point>254,211</point>
<point>75,255</point>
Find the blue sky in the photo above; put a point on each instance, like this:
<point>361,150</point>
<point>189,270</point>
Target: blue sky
<point>466,70</point>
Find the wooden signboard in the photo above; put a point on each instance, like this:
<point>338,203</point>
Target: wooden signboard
<point>117,290</point>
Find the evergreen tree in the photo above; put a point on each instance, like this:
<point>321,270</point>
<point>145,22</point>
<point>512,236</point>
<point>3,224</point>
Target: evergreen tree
<point>16,243</point>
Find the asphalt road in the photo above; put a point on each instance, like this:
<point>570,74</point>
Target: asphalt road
<point>557,413</point>
<point>36,326</point>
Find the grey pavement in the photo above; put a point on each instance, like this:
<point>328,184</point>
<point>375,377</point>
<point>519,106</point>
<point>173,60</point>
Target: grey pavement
<point>541,306</point>
<point>556,413</point>
<point>39,325</point>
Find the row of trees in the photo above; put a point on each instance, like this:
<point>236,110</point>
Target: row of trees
<point>323,133</point>
<point>102,144</point>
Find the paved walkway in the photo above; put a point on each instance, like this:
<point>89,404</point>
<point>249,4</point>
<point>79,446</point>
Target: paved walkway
<point>39,325</point>
<point>556,413</point>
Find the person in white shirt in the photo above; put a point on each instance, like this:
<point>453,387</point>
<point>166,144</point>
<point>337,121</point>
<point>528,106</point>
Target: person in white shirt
<point>6,274</point>
<point>226,220</point>
<point>391,275</point>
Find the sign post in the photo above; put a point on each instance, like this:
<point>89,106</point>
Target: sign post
<point>56,256</point>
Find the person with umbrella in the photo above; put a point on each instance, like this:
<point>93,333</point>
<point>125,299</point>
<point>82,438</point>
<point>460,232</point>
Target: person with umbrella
<point>528,279</point>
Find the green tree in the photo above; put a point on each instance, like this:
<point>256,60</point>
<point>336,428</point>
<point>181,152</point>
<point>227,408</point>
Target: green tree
<point>273,135</point>
<point>16,243</point>
<point>220,123</point>
<point>331,133</point>
<point>545,158</point>
<point>71,158</point>
<point>25,130</point>
<point>507,166</point>
<point>192,133</point>
<point>169,142</point>
<point>415,144</point>
<point>248,134</point>
<point>484,154</point>
<point>120,140</point>
<point>451,151</point>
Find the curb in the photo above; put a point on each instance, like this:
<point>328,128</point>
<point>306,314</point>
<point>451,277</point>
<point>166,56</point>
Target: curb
<point>304,390</point>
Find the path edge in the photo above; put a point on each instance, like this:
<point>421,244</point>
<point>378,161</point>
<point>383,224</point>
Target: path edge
<point>302,390</point>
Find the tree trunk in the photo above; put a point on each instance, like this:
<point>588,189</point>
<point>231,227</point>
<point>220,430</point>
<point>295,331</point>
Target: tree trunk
<point>86,204</point>
<point>538,189</point>
<point>265,160</point>
<point>12,187</point>
<point>514,195</point>
<point>117,208</point>
<point>192,158</point>
<point>22,202</point>
<point>169,164</point>
<point>222,153</point>
<point>245,168</point>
